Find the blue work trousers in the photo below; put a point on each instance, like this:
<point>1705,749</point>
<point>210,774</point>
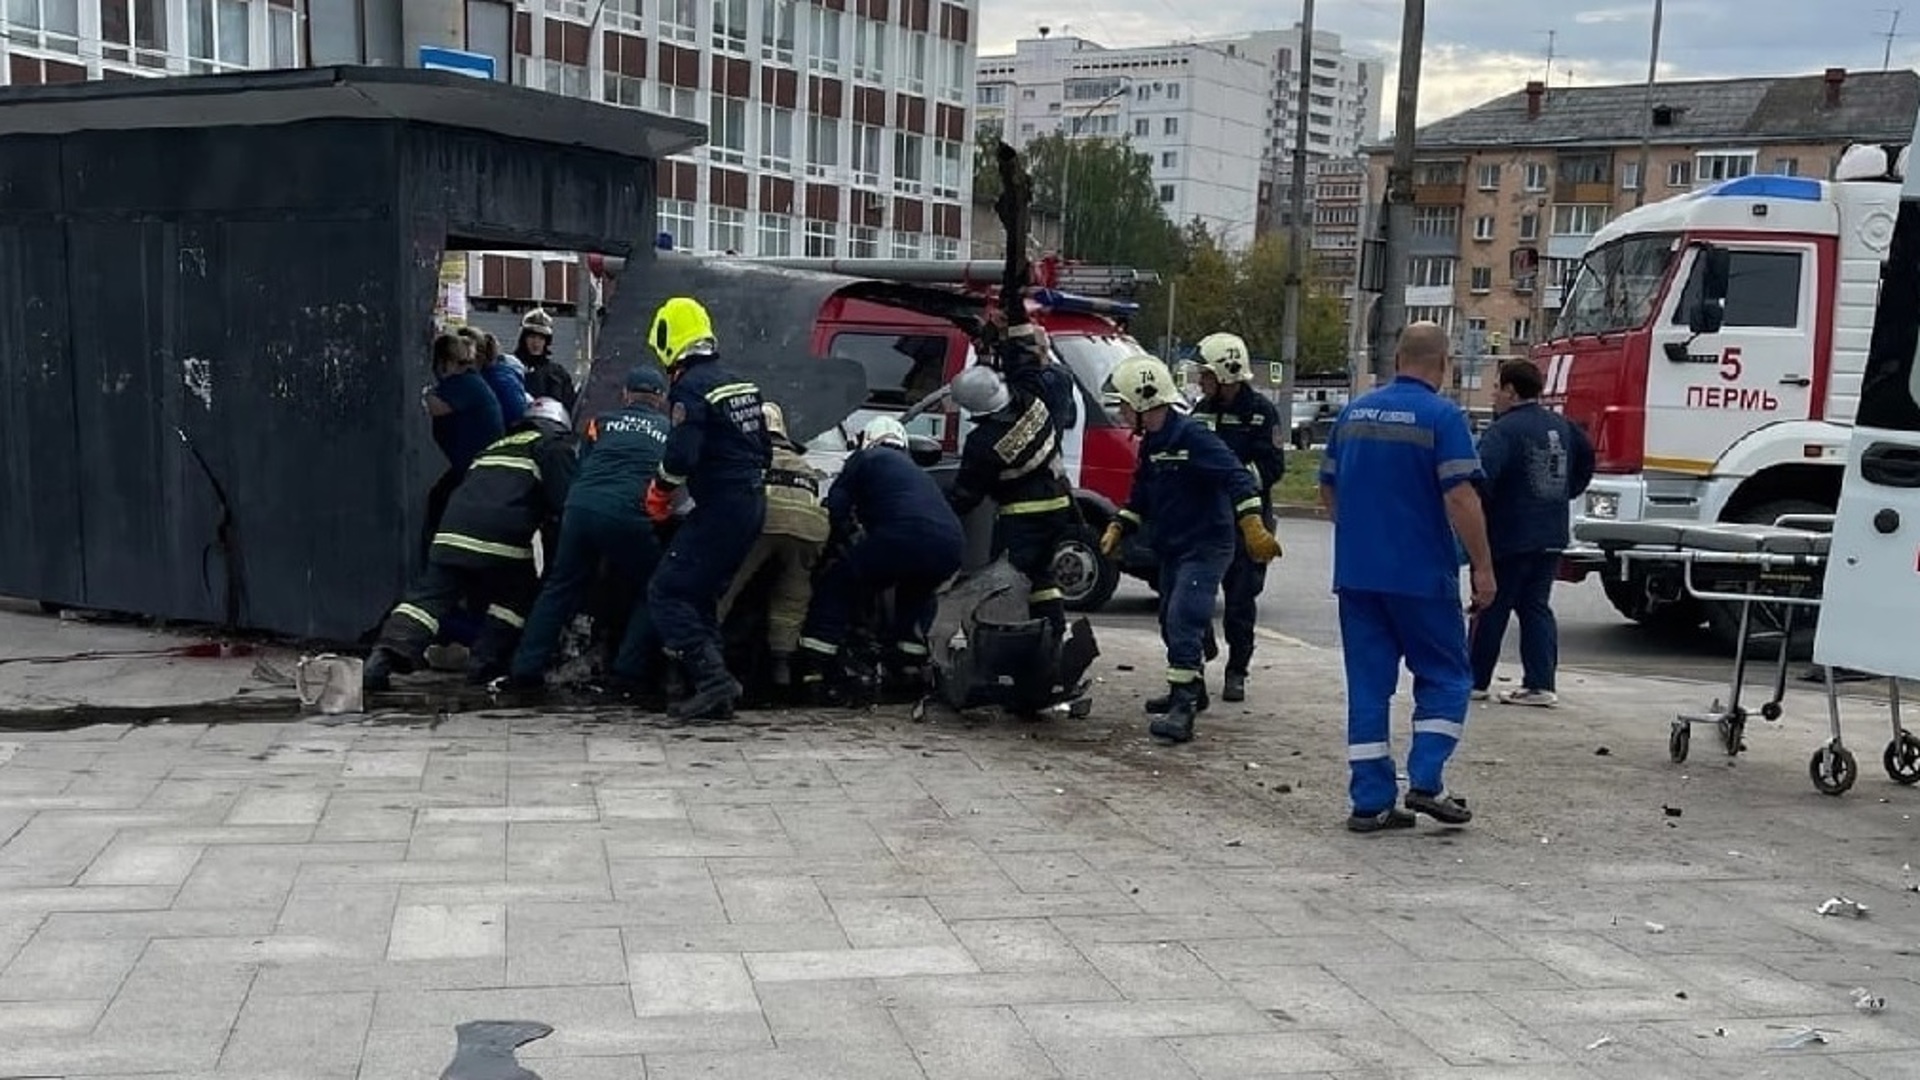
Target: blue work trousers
<point>1188,584</point>
<point>625,544</point>
<point>711,544</point>
<point>904,562</point>
<point>1244,581</point>
<point>1377,632</point>
<point>1525,589</point>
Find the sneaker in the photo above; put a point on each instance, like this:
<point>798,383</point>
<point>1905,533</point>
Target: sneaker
<point>1538,699</point>
<point>1443,807</point>
<point>1391,818</point>
<point>1478,695</point>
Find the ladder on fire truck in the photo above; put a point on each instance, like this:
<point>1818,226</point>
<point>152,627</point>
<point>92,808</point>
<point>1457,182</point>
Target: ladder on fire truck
<point>1050,273</point>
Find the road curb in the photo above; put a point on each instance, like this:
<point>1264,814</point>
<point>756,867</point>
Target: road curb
<point>1300,512</point>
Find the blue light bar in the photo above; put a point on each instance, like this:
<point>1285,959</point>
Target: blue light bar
<point>1055,300</point>
<point>1796,188</point>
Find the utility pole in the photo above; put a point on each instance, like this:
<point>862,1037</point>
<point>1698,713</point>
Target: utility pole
<point>1553,37</point>
<point>1296,234</point>
<point>1646,107</point>
<point>1406,116</point>
<point>1892,34</point>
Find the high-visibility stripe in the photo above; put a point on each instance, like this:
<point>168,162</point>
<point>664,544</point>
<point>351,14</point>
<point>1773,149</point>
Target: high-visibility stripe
<point>910,648</point>
<point>420,616</point>
<point>500,461</point>
<point>720,393</point>
<point>506,615</point>
<point>1168,455</point>
<point>482,547</point>
<point>1452,729</point>
<point>520,438</point>
<point>1041,596</point>
<point>1130,517</point>
<point>1249,505</point>
<point>672,479</point>
<point>1450,470</point>
<point>1038,506</point>
<point>813,644</point>
<point>1369,751</point>
<point>1182,676</point>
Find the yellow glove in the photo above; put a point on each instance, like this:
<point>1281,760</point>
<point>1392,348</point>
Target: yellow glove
<point>1262,545</point>
<point>1110,540</point>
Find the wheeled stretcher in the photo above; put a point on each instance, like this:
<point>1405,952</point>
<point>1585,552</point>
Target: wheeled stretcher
<point>1778,567</point>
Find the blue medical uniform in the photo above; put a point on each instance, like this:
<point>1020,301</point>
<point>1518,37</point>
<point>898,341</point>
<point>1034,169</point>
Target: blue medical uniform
<point>1393,455</point>
<point>1250,426</point>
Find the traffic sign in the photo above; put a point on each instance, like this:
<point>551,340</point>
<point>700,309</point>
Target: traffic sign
<point>476,65</point>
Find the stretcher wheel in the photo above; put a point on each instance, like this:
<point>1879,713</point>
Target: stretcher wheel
<point>1902,758</point>
<point>1678,740</point>
<point>1732,727</point>
<point>1770,711</point>
<point>1833,770</point>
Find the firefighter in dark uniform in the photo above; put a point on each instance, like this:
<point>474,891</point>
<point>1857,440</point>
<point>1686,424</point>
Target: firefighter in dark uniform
<point>1250,426</point>
<point>483,550</point>
<point>719,450</point>
<point>1188,486</point>
<point>1054,380</point>
<point>1012,456</point>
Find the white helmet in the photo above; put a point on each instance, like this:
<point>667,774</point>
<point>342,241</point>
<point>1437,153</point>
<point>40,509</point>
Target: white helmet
<point>1224,356</point>
<point>1144,383</point>
<point>546,408</point>
<point>884,431</point>
<point>980,390</point>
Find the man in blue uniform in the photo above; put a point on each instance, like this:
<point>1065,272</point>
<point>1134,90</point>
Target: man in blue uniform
<point>1250,426</point>
<point>1398,481</point>
<point>719,449</point>
<point>1189,487</point>
<point>604,523</point>
<point>910,542</point>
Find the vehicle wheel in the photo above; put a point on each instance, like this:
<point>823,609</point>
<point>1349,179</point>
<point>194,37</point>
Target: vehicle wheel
<point>1723,620</point>
<point>1902,759</point>
<point>1630,600</point>
<point>1678,741</point>
<point>1770,711</point>
<point>1833,770</point>
<point>1086,577</point>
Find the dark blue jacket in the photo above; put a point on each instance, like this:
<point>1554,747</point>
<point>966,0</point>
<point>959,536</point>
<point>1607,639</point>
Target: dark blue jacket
<point>720,444</point>
<point>509,389</point>
<point>890,496</point>
<point>1250,426</point>
<point>1189,487</point>
<point>620,452</point>
<point>474,422</point>
<point>1536,463</point>
<point>1061,394</point>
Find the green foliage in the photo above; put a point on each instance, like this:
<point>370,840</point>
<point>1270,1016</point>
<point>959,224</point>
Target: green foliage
<point>1245,293</point>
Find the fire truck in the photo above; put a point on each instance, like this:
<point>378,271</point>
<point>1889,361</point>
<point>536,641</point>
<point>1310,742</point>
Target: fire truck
<point>1734,410</point>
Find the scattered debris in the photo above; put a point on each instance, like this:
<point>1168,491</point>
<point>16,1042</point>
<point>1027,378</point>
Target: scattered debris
<point>1802,1038</point>
<point>1235,842</point>
<point>1123,667</point>
<point>1059,791</point>
<point>1866,1001</point>
<point>1604,1040</point>
<point>1287,789</point>
<point>1680,995</point>
<point>1656,928</point>
<point>1840,905</point>
<point>1603,752</point>
<point>1253,766</point>
<point>1672,811</point>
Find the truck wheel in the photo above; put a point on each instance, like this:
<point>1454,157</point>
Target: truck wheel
<point>1086,577</point>
<point>1723,620</point>
<point>1630,600</point>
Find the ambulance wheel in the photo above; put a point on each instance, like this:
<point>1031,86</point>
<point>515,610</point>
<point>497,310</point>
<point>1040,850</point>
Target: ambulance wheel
<point>1833,770</point>
<point>1678,741</point>
<point>1902,759</point>
<point>1086,577</point>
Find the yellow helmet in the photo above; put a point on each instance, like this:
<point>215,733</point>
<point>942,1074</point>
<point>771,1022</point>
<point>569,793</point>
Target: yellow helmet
<point>682,328</point>
<point>1224,356</point>
<point>776,419</point>
<point>1144,383</point>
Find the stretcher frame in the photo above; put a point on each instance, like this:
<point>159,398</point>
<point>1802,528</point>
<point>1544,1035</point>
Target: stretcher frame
<point>1790,582</point>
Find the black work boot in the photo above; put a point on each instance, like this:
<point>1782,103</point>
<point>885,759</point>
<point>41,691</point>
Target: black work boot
<point>1176,726</point>
<point>1234,686</point>
<point>780,673</point>
<point>714,690</point>
<point>382,665</point>
<point>1159,706</point>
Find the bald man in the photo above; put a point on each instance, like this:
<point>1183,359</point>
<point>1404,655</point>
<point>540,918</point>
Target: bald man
<point>1398,481</point>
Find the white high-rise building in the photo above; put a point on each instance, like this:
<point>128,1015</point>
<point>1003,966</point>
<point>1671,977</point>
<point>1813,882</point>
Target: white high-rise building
<point>1198,112</point>
<point>1343,95</point>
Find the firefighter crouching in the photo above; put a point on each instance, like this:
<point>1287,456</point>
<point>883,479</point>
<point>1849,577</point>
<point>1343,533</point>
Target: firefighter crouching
<point>1250,425</point>
<point>719,449</point>
<point>1012,456</point>
<point>911,543</point>
<point>1188,486</point>
<point>483,550</point>
<point>791,542</point>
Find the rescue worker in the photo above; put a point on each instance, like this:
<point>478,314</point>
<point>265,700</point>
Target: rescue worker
<point>1188,485</point>
<point>1055,382</point>
<point>791,541</point>
<point>1398,482</point>
<point>483,551</point>
<point>719,449</point>
<point>1012,456</point>
<point>1250,425</point>
<point>545,377</point>
<point>910,542</point>
<point>509,386</point>
<point>605,523</point>
<point>466,420</point>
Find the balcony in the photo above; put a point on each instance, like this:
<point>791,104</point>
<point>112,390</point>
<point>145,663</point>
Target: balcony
<point>1567,191</point>
<point>1434,244</point>
<point>1567,245</point>
<point>1440,194</point>
<point>1429,296</point>
<point>1551,298</point>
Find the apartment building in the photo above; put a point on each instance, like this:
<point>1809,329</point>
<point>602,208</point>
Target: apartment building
<point>1508,195</point>
<point>1340,213</point>
<point>1196,111</point>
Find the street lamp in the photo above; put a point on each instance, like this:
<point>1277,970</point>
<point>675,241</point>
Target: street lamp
<point>1066,166</point>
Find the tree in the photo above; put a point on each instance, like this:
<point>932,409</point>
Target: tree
<point>1246,294</point>
<point>1102,189</point>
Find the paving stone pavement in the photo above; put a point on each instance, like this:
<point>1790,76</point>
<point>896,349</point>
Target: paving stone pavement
<point>828,895</point>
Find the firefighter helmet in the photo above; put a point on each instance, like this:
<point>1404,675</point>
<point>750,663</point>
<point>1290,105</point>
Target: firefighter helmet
<point>1144,383</point>
<point>980,390</point>
<point>776,419</point>
<point>883,431</point>
<point>682,328</point>
<point>1224,356</point>
<point>546,408</point>
<point>539,322</point>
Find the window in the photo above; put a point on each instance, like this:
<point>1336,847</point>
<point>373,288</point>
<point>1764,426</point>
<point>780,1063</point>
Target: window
<point>775,234</point>
<point>727,130</point>
<point>1427,273</point>
<point>1169,159</point>
<point>1713,168</point>
<point>1433,314</point>
<point>990,94</point>
<point>1092,90</point>
<point>1579,220</point>
<point>1482,279</point>
<point>776,138</point>
<point>1523,330</point>
<point>823,144</point>
<point>953,70</point>
<point>730,27</point>
<point>906,245</point>
<point>909,162</point>
<point>866,154</point>
<point>901,368</point>
<point>776,30</point>
<point>54,25</point>
<point>680,20</point>
<point>1679,173</point>
<point>1763,289</point>
<point>1142,128</point>
<point>1026,129</point>
<point>1439,173</point>
<point>676,220</point>
<point>1173,91</point>
<point>870,49</point>
<point>625,90</point>
<point>1786,166</point>
<point>914,61</point>
<point>946,248</point>
<point>823,40</point>
<point>131,31</point>
<point>219,34</point>
<point>1489,178</point>
<point>1630,176</point>
<point>568,80</point>
<point>1616,287</point>
<point>1436,221</point>
<point>821,239</point>
<point>727,230</point>
<point>1026,95</point>
<point>1536,176</point>
<point>1483,228</point>
<point>1529,227</point>
<point>946,168</point>
<point>863,242</point>
<point>676,101</point>
<point>625,15</point>
<point>1166,193</point>
<point>1171,126</point>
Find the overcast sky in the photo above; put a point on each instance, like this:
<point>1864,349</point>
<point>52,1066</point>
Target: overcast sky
<point>1478,49</point>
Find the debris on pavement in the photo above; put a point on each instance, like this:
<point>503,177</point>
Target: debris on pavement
<point>1804,1037</point>
<point>1866,1001</point>
<point>1603,752</point>
<point>1656,928</point>
<point>1604,1040</point>
<point>1671,811</point>
<point>1236,842</point>
<point>1840,905</point>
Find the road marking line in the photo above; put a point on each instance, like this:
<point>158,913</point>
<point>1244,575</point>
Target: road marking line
<point>1282,639</point>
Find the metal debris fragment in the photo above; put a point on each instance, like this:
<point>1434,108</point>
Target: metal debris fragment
<point>1656,928</point>
<point>1840,905</point>
<point>1866,1001</point>
<point>1234,842</point>
<point>1802,1038</point>
<point>1672,811</point>
<point>1604,1040</point>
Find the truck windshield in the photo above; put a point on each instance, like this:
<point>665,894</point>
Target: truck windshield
<point>1093,359</point>
<point>1617,286</point>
